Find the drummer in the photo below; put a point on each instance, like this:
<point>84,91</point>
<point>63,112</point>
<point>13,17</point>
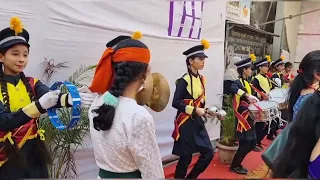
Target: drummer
<point>278,77</point>
<point>288,76</point>
<point>262,85</point>
<point>245,132</point>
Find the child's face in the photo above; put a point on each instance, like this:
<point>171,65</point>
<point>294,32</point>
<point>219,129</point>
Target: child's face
<point>15,59</point>
<point>264,69</point>
<point>289,69</point>
<point>280,67</point>
<point>247,72</point>
<point>197,63</point>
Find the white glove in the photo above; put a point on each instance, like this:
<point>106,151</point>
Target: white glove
<point>49,99</point>
<point>268,95</point>
<point>222,113</point>
<point>278,81</point>
<point>86,99</point>
<point>253,99</point>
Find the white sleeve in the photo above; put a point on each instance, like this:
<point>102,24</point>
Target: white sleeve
<point>144,147</point>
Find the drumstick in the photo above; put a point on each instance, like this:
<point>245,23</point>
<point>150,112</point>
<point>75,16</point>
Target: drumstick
<point>264,96</point>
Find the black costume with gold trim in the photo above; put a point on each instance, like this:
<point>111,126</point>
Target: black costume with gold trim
<point>280,76</point>
<point>244,124</point>
<point>263,84</point>
<point>245,127</point>
<point>20,129</point>
<point>22,151</point>
<point>190,134</point>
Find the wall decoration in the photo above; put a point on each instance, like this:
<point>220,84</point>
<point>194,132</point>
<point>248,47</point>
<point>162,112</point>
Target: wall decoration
<point>239,11</point>
<point>185,19</point>
<point>241,43</point>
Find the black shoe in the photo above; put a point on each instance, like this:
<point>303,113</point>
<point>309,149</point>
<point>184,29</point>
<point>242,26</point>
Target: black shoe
<point>270,137</point>
<point>244,168</point>
<point>256,149</point>
<point>238,170</point>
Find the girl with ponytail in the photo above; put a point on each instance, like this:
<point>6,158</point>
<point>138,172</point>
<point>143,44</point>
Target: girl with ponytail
<point>22,100</point>
<point>301,157</point>
<point>305,83</point>
<point>302,87</point>
<point>123,132</point>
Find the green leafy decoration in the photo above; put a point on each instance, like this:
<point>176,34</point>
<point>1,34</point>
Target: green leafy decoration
<point>62,145</point>
<point>228,125</point>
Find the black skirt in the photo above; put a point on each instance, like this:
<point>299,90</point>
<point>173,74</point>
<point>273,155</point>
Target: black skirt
<point>193,138</point>
<point>34,166</point>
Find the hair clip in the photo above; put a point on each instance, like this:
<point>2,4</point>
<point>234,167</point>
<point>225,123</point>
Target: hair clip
<point>110,99</point>
<point>299,71</point>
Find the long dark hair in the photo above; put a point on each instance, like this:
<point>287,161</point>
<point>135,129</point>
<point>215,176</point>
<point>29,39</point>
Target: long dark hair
<point>309,64</point>
<point>12,150</point>
<point>303,136</point>
<point>124,74</point>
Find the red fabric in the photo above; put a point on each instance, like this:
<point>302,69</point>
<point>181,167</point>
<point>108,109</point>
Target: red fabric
<point>217,170</point>
<point>178,122</point>
<point>269,74</point>
<point>286,77</point>
<point>103,76</point>
<point>19,133</point>
<point>242,117</point>
<point>263,95</point>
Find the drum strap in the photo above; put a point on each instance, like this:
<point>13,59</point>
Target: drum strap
<point>242,118</point>
<point>259,109</point>
<point>183,117</point>
<point>263,95</point>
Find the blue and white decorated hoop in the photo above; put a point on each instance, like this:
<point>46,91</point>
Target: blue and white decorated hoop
<point>76,110</point>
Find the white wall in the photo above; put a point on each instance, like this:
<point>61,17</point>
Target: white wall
<point>77,31</point>
<point>308,38</point>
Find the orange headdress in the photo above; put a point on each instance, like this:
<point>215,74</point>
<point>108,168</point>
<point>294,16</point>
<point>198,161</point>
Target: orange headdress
<point>104,73</point>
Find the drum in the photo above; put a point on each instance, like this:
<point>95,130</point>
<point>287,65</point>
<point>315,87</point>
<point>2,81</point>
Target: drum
<point>279,95</point>
<point>263,111</point>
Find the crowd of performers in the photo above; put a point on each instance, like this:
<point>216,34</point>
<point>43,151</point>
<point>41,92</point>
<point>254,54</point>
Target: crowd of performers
<point>123,132</point>
<point>296,158</point>
<point>251,89</point>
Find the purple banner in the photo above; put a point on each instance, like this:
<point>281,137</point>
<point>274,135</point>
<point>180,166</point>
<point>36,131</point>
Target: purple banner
<point>183,13</point>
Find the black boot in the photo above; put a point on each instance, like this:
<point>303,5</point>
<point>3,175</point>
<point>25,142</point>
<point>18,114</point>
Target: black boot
<point>270,137</point>
<point>239,170</point>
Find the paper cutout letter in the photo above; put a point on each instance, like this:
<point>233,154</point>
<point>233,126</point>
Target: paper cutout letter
<point>185,19</point>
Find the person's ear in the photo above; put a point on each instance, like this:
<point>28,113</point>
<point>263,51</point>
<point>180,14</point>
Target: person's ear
<point>316,75</point>
<point>1,58</point>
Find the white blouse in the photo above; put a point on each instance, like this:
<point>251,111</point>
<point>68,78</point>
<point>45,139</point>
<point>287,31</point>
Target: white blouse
<point>130,144</point>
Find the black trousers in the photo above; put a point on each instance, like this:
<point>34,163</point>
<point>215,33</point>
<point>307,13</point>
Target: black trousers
<point>200,166</point>
<point>274,127</point>
<point>261,131</point>
<point>245,146</point>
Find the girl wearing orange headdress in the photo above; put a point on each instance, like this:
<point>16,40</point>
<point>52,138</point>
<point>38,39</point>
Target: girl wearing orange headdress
<point>123,132</point>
